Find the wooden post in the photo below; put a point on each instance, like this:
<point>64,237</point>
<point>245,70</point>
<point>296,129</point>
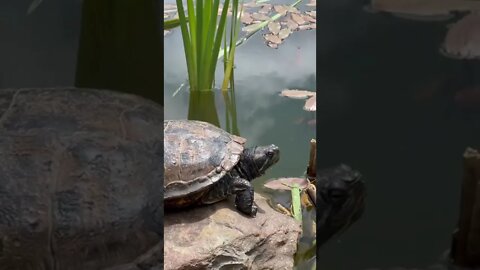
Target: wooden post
<point>312,163</point>
<point>465,251</point>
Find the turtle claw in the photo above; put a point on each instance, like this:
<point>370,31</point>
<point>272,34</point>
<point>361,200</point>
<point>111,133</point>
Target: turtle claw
<point>253,211</point>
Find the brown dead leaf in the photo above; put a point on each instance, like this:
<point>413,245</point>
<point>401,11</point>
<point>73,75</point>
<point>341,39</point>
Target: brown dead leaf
<point>312,13</point>
<point>260,17</point>
<point>272,38</point>
<point>265,9</point>
<point>297,18</point>
<point>305,27</point>
<point>291,25</point>
<point>284,33</point>
<point>281,9</point>
<point>274,27</point>
<point>297,94</point>
<point>246,18</point>
<point>292,9</point>
<point>309,18</point>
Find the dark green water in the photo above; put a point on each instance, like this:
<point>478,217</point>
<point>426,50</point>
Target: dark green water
<point>408,148</point>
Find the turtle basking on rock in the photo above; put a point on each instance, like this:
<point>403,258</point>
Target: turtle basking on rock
<point>205,164</point>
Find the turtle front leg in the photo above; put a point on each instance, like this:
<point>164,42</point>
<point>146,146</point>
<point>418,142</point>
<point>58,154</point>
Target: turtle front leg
<point>244,196</point>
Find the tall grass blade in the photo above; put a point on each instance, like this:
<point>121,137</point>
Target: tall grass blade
<point>186,43</point>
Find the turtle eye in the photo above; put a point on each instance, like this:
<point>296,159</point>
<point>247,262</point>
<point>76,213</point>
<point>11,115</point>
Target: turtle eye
<point>270,154</point>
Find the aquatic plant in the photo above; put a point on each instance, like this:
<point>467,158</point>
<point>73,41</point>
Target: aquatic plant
<point>202,38</point>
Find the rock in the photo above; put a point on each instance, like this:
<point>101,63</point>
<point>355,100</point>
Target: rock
<point>217,236</point>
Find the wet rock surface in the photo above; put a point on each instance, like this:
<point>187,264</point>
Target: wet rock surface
<point>218,236</point>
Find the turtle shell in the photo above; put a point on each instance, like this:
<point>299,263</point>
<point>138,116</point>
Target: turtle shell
<point>80,185</point>
<point>197,154</point>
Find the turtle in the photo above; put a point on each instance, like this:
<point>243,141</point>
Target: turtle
<point>341,194</point>
<point>204,164</point>
<point>80,180</point>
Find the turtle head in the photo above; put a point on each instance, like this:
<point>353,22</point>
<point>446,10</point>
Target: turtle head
<point>259,158</point>
<point>340,200</point>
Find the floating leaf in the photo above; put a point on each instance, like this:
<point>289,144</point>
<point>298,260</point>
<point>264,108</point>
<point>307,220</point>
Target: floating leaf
<point>284,33</point>
<point>297,18</point>
<point>311,104</point>
<point>463,38</point>
<point>287,183</point>
<point>273,38</point>
<point>265,9</point>
<point>274,27</point>
<point>297,94</point>
<point>280,9</point>
<point>291,25</point>
<point>308,18</point>
<point>312,13</point>
<point>246,18</point>
<point>260,17</point>
<point>305,27</point>
<point>292,9</point>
